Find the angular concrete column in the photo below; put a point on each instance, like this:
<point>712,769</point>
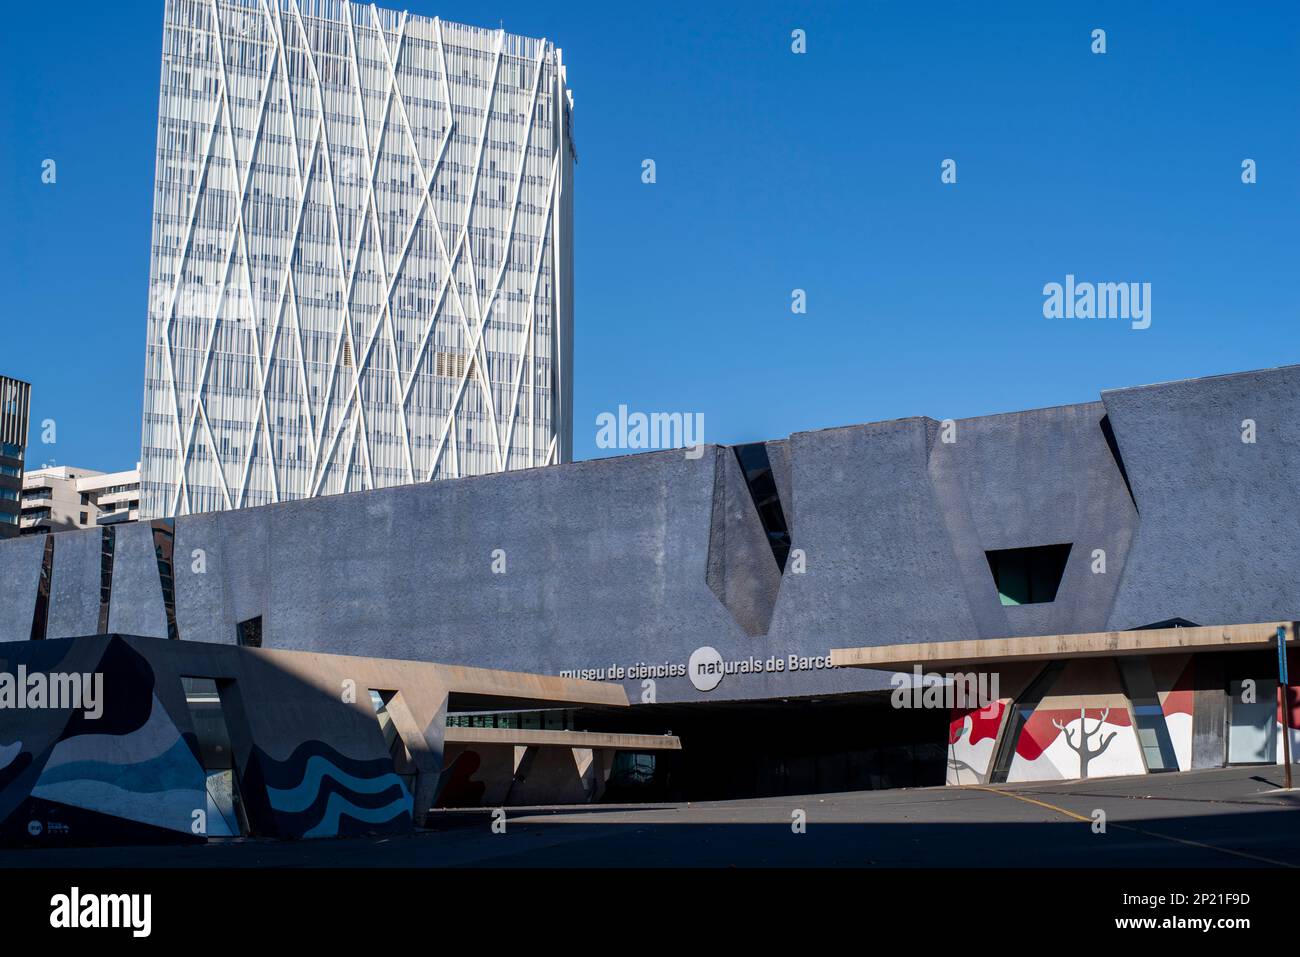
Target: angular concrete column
<point>419,713</point>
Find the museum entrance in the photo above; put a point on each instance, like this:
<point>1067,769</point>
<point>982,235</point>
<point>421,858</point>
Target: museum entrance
<point>769,748</point>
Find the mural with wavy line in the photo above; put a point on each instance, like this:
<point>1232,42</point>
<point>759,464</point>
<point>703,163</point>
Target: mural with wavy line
<point>972,736</point>
<point>319,792</point>
<point>129,776</point>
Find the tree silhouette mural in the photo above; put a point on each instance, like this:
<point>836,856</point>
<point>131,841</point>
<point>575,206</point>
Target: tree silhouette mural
<point>1085,753</point>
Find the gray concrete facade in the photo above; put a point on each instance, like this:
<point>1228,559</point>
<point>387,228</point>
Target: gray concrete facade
<point>645,558</point>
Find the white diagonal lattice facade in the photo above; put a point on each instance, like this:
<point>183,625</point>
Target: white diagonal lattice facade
<point>362,254</point>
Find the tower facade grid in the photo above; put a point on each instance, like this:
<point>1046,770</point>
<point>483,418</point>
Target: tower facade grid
<point>361,270</point>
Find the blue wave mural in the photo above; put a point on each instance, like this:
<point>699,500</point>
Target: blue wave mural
<point>130,775</point>
<point>319,792</point>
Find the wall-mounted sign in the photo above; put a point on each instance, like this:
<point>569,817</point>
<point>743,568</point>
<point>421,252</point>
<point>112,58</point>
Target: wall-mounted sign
<point>705,668</point>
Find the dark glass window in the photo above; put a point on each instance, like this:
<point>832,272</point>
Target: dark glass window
<point>163,545</point>
<point>1028,576</point>
<point>41,617</point>
<point>250,632</point>
<point>757,467</point>
<point>108,547</point>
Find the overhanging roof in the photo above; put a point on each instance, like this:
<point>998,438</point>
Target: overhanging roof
<point>563,739</point>
<point>1097,644</point>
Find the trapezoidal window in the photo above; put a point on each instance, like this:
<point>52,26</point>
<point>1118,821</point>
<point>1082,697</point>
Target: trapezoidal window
<point>249,633</point>
<point>1028,576</point>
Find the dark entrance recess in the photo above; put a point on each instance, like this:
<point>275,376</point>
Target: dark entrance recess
<point>757,467</point>
<point>225,813</point>
<point>734,750</point>
<point>1028,576</point>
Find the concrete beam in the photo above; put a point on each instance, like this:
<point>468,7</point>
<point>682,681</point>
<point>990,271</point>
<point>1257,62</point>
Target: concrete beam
<point>495,687</point>
<point>985,651</point>
<point>533,737</point>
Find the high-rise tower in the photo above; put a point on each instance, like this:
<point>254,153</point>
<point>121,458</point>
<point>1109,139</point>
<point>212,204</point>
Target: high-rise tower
<point>362,260</point>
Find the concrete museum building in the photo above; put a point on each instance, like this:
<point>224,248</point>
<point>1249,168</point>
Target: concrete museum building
<point>750,620</point>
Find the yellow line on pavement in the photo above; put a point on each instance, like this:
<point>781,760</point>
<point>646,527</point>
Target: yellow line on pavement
<point>1138,830</point>
<point>1021,797</point>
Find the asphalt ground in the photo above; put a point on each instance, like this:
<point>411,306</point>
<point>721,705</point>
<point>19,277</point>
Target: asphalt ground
<point>1227,818</point>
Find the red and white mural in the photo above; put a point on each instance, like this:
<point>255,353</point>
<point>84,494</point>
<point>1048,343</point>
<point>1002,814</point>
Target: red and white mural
<point>1082,728</point>
<point>972,737</point>
<point>1173,678</point>
<point>1083,724</point>
<point>1084,742</point>
<point>973,732</point>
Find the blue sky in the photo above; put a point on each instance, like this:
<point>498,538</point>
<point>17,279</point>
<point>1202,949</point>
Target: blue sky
<point>775,171</point>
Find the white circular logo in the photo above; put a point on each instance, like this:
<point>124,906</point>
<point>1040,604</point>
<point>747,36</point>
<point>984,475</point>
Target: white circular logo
<point>34,828</point>
<point>705,668</point>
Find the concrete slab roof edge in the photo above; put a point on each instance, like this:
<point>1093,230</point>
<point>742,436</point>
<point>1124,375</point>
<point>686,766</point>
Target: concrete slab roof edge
<point>563,739</point>
<point>1204,378</point>
<point>491,683</point>
<point>983,651</point>
<point>486,682</point>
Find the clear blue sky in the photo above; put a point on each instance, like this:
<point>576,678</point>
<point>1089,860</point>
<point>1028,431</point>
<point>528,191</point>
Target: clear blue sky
<point>775,172</point>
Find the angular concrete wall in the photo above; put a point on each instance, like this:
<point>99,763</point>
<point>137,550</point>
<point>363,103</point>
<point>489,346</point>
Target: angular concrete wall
<point>1044,477</point>
<point>136,605</point>
<point>20,574</point>
<point>565,565</point>
<point>880,567</point>
<point>742,570</point>
<point>1217,540</point>
<point>606,566</point>
<point>74,589</point>
<point>200,573</point>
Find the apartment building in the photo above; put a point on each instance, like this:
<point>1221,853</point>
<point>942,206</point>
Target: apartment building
<point>15,399</point>
<point>64,498</point>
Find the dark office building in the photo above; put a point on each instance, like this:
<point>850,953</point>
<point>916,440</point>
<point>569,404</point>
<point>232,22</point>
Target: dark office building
<point>15,397</point>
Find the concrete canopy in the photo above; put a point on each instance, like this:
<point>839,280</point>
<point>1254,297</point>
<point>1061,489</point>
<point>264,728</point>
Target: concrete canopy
<point>991,651</point>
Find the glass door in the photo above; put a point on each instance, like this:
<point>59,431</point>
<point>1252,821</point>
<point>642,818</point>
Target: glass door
<point>1252,721</point>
